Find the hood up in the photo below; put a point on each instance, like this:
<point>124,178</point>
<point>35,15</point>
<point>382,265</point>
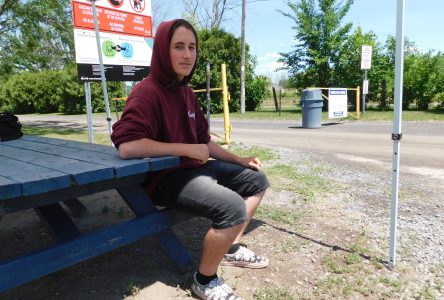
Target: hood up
<point>161,68</point>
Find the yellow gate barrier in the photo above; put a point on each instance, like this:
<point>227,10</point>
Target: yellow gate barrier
<point>358,96</point>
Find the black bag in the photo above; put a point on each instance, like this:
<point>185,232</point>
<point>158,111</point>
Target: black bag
<point>10,127</point>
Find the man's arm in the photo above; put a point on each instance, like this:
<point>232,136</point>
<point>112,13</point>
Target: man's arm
<point>150,148</point>
<point>218,152</point>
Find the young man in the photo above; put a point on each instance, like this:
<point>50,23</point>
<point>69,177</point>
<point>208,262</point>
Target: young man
<point>162,117</point>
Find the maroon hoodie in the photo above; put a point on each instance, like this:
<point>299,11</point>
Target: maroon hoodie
<point>161,108</point>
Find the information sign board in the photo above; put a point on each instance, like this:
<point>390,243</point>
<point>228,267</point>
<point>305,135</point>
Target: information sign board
<point>366,57</point>
<point>125,37</point>
<point>337,103</point>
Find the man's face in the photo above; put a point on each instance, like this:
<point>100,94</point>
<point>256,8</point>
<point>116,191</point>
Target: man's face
<point>183,52</point>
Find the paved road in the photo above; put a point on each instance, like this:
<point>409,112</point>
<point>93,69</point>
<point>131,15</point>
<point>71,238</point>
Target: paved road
<point>366,143</point>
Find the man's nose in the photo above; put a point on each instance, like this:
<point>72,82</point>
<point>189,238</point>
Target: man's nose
<point>187,53</point>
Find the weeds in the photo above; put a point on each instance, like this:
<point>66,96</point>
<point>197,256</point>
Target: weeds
<point>262,153</point>
<point>278,215</point>
<point>274,293</point>
<point>286,177</point>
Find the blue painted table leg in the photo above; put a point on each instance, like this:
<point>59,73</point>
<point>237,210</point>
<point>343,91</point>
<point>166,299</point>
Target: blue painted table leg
<point>141,204</point>
<point>76,207</point>
<point>58,221</point>
<point>175,250</point>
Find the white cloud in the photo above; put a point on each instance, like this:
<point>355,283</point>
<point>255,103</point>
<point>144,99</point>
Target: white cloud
<point>273,55</point>
<point>268,64</point>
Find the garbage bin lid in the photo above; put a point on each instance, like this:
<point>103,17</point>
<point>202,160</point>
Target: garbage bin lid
<point>311,95</point>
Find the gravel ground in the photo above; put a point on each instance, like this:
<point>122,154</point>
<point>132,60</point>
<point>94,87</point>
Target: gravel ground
<point>363,204</point>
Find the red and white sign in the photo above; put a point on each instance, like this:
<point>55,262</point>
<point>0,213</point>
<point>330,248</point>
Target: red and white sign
<point>125,19</point>
<point>125,28</point>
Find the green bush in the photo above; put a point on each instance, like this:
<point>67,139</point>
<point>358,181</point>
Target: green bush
<point>51,91</point>
<point>439,99</point>
<point>218,47</point>
<point>255,92</point>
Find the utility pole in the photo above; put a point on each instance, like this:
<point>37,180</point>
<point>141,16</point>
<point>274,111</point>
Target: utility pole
<point>242,92</point>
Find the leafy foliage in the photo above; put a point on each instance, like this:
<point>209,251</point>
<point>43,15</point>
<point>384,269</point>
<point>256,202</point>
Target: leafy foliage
<point>319,34</point>
<point>35,35</point>
<point>218,47</point>
<point>52,91</point>
<point>327,55</point>
<point>255,91</point>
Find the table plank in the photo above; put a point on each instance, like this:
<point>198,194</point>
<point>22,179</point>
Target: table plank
<point>18,271</point>
<point>109,158</point>
<point>9,188</point>
<point>81,172</point>
<point>33,179</point>
<point>73,144</point>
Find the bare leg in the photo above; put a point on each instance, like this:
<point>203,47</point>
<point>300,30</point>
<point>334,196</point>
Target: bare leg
<point>252,204</point>
<point>218,241</point>
<point>215,246</point>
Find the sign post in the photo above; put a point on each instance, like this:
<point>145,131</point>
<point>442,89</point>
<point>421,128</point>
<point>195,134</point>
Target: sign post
<point>366,64</point>
<point>102,70</point>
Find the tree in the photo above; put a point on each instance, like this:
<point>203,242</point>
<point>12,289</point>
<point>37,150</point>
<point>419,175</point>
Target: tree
<point>219,46</point>
<point>347,71</point>
<point>35,35</point>
<point>160,12</point>
<point>319,35</point>
<point>208,14</point>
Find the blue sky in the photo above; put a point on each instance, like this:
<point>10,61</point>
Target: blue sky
<point>269,32</point>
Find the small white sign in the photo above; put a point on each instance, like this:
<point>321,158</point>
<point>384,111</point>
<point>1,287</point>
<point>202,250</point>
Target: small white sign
<point>337,103</point>
<point>366,57</point>
<point>365,87</point>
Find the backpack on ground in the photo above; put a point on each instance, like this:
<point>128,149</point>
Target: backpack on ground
<point>10,127</point>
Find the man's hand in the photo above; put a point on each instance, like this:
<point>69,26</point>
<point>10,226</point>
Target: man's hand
<point>251,162</point>
<point>199,152</point>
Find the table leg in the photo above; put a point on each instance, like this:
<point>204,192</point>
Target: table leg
<point>141,204</point>
<point>76,207</point>
<point>58,221</point>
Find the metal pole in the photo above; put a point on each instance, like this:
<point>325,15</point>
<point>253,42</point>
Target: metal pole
<point>358,96</point>
<point>102,71</point>
<point>397,135</point>
<point>89,111</point>
<point>242,91</point>
<point>207,69</point>
<point>227,125</point>
<point>363,95</point>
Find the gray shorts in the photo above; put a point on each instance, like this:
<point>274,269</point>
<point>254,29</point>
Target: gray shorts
<point>215,191</point>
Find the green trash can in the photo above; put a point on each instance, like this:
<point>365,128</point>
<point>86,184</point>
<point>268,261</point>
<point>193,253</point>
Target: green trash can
<point>311,102</point>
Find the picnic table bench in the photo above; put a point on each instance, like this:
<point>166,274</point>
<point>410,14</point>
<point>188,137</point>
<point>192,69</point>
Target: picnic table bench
<point>39,173</point>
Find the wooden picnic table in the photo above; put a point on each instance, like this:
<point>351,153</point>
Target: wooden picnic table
<point>39,173</point>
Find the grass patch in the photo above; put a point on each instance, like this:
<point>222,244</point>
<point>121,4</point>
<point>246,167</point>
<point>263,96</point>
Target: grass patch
<point>426,293</point>
<point>343,264</point>
<point>274,293</point>
<point>67,134</point>
<point>395,284</point>
<point>289,245</point>
<point>278,215</point>
<point>286,177</point>
<point>131,289</point>
<point>262,153</point>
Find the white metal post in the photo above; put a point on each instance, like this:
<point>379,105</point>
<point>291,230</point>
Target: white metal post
<point>242,90</point>
<point>89,111</point>
<point>102,71</point>
<point>397,135</point>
